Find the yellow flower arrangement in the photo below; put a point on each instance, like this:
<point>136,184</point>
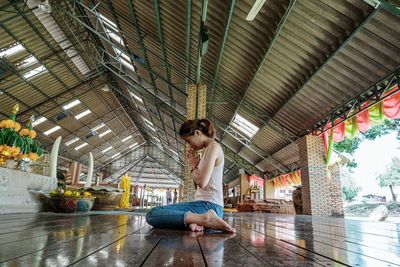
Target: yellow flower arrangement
<point>68,193</point>
<point>10,124</point>
<point>33,156</point>
<point>87,194</point>
<point>76,194</point>
<point>11,151</point>
<point>27,132</point>
<point>22,156</point>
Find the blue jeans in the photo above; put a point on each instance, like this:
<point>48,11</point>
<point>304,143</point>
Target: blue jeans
<point>173,216</point>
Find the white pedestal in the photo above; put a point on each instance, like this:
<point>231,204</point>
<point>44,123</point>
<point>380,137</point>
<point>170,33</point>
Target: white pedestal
<point>22,191</point>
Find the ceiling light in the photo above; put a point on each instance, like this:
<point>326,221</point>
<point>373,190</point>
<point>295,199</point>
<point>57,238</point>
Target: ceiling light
<point>98,127</point>
<point>127,138</point>
<point>107,149</point>
<point>52,130</point>
<point>80,146</point>
<point>72,141</point>
<point>82,114</point>
<point>39,121</point>
<point>116,155</point>
<point>72,104</point>
<point>132,146</point>
<point>255,9</point>
<point>106,132</point>
<point>16,48</point>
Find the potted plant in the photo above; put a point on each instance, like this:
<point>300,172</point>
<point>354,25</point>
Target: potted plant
<point>70,201</point>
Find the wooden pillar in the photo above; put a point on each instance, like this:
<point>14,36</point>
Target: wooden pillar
<point>226,191</point>
<point>180,193</point>
<point>196,108</point>
<point>244,185</point>
<point>269,190</point>
<point>320,189</point>
<point>188,185</point>
<point>75,170</point>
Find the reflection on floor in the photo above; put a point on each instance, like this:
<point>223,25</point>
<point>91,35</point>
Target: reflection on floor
<point>125,239</point>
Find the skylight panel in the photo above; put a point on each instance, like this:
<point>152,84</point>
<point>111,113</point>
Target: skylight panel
<point>133,145</point>
<point>244,126</point>
<point>72,141</point>
<point>98,127</point>
<point>38,70</point>
<point>127,64</point>
<point>123,58</point>
<point>104,133</point>
<point>107,149</point>
<point>27,62</point>
<point>109,23</point>
<point>72,104</point>
<point>83,114</point>
<point>116,155</point>
<point>39,121</point>
<point>127,138</point>
<point>115,37</point>
<point>151,128</point>
<point>121,54</point>
<point>80,146</point>
<point>52,130</point>
<point>147,121</point>
<point>14,49</point>
<point>136,97</point>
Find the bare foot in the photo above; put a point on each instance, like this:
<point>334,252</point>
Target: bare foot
<point>196,228</point>
<point>214,222</point>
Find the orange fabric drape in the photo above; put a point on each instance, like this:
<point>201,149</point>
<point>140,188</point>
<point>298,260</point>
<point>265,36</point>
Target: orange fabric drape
<point>293,178</point>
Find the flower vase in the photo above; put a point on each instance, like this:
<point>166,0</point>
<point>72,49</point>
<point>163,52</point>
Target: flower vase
<point>21,165</point>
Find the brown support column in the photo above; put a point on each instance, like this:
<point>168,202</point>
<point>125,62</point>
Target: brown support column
<point>336,191</point>
<point>180,193</point>
<point>319,187</point>
<point>226,193</point>
<point>269,190</point>
<point>244,185</point>
<point>75,170</point>
<point>188,184</point>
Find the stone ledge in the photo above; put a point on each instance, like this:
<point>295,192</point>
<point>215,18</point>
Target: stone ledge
<point>22,191</point>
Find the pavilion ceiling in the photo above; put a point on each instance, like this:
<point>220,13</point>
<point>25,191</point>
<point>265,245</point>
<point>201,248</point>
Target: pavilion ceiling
<point>278,75</point>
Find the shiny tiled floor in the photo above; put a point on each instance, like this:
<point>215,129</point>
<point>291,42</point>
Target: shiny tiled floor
<point>262,240</point>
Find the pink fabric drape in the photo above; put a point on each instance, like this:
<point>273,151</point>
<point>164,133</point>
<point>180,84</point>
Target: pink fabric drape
<point>391,110</point>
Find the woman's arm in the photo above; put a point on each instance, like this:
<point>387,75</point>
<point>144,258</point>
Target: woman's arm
<point>202,173</point>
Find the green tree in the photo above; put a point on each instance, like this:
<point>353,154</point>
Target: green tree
<point>391,177</point>
<point>350,145</point>
<point>349,188</point>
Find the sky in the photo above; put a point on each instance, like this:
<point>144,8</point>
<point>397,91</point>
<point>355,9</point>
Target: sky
<point>372,157</point>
